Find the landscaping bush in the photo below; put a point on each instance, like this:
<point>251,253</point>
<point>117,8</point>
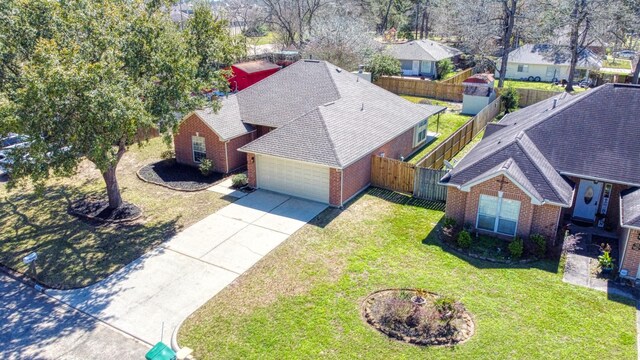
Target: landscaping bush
<point>510,98</point>
<point>206,167</point>
<point>168,154</point>
<point>384,65</point>
<point>516,248</point>
<point>539,243</point>
<point>444,68</point>
<point>449,222</point>
<point>239,180</point>
<point>464,239</point>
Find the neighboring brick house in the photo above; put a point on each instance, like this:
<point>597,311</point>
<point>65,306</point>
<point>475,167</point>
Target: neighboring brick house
<point>572,157</point>
<point>308,130</point>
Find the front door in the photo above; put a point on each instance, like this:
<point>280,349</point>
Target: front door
<point>588,199</point>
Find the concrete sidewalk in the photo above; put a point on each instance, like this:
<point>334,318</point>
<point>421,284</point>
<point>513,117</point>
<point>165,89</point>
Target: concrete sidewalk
<point>163,287</point>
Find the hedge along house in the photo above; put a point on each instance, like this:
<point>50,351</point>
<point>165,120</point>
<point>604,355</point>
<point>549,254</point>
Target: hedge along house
<point>309,131</point>
<point>419,57</point>
<point>548,63</point>
<point>563,159</point>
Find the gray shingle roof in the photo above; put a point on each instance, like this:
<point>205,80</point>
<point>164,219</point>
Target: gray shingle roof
<point>426,50</point>
<point>226,122</point>
<point>588,135</point>
<point>630,205</point>
<point>545,54</point>
<point>362,118</point>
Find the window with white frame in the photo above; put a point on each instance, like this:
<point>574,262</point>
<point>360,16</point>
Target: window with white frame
<point>523,68</point>
<point>498,214</point>
<point>199,148</point>
<point>420,133</point>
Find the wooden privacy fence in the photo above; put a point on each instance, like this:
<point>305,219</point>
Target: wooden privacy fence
<point>426,184</point>
<point>392,174</point>
<point>458,78</point>
<point>447,149</point>
<point>532,96</point>
<point>423,88</point>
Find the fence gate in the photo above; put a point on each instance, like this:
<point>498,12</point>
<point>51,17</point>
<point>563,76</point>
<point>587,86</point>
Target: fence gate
<point>392,174</point>
<point>426,184</point>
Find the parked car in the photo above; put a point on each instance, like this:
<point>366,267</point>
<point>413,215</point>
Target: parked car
<point>13,141</point>
<point>626,54</point>
<point>4,163</point>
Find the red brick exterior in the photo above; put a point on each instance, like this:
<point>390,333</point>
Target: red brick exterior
<point>216,150</point>
<point>463,207</point>
<point>335,176</point>
<point>251,170</point>
<point>631,256</point>
<point>263,130</point>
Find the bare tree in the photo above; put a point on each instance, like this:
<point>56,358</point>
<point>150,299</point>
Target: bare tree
<point>342,39</point>
<point>293,19</point>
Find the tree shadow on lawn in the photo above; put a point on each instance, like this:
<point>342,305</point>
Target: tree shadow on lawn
<point>72,253</point>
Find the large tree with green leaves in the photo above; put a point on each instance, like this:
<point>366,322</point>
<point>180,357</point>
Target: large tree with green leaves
<point>104,70</point>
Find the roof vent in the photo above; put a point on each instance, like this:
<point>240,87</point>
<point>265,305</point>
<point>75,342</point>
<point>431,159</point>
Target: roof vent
<point>329,103</point>
<point>311,61</point>
<point>339,70</point>
<point>362,108</point>
<point>555,103</point>
<point>360,69</point>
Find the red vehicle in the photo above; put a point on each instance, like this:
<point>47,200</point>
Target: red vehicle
<point>249,73</point>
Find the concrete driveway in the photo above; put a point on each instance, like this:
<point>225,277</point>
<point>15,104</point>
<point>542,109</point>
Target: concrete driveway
<point>35,326</point>
<point>163,287</point>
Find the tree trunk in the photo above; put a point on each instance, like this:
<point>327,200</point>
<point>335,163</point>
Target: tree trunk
<point>578,15</point>
<point>417,18</point>
<point>386,18</point>
<point>636,73</point>
<point>509,22</point>
<point>113,190</point>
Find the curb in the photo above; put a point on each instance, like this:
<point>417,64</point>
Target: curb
<point>174,337</point>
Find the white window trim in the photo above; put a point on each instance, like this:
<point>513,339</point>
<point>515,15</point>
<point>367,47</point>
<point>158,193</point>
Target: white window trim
<point>422,126</point>
<point>525,68</point>
<point>193,149</point>
<point>498,210</point>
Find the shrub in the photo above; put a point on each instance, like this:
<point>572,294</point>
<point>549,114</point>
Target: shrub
<point>425,102</point>
<point>444,68</point>
<point>206,167</point>
<point>239,180</point>
<point>464,239</point>
<point>539,245</point>
<point>449,222</point>
<point>168,154</point>
<point>383,64</point>
<point>510,98</point>
<point>605,260</point>
<point>516,247</point>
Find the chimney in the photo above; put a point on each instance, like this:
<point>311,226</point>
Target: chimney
<point>360,69</point>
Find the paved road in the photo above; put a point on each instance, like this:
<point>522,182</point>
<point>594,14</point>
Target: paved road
<point>35,326</point>
<point>162,288</point>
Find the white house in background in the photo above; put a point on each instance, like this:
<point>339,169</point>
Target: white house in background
<point>478,93</point>
<point>419,57</point>
<point>545,62</point>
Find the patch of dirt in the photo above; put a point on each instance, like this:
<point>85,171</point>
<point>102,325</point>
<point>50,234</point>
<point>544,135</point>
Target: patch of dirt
<point>418,317</point>
<point>98,209</point>
<point>176,176</point>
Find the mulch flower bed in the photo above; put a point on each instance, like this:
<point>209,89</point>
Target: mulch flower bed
<point>97,209</point>
<point>487,248</point>
<point>418,317</point>
<point>172,175</point>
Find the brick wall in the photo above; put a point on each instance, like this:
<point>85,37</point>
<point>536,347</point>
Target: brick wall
<point>545,221</point>
<point>334,187</point>
<point>262,130</point>
<point>398,147</point>
<point>236,158</point>
<point>631,256</point>
<point>456,205</point>
<point>193,126</point>
<point>251,169</point>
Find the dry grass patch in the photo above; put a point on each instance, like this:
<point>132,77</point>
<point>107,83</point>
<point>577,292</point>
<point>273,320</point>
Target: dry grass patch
<point>75,253</point>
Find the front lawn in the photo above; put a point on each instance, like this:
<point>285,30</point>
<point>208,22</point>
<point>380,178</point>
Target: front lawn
<point>613,63</point>
<point>304,299</point>
<point>450,121</point>
<point>518,84</point>
<point>75,253</point>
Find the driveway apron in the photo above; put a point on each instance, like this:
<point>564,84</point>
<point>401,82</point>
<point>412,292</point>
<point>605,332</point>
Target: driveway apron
<point>153,294</point>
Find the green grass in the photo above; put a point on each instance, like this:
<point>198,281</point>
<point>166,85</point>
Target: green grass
<point>303,300</point>
<point>449,123</point>
<point>269,38</point>
<point>74,253</point>
<point>613,63</point>
<point>536,85</point>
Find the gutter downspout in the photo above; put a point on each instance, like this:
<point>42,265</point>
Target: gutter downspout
<point>226,155</point>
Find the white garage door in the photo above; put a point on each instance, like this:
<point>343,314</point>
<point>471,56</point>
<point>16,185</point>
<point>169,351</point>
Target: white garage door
<point>293,178</point>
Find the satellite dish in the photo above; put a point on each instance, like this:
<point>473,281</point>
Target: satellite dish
<point>448,165</point>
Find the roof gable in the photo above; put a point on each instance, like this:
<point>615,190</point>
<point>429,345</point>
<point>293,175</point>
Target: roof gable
<point>426,50</point>
<point>547,54</point>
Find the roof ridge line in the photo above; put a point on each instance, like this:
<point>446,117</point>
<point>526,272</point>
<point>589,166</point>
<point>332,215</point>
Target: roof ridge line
<point>526,153</point>
<point>333,81</point>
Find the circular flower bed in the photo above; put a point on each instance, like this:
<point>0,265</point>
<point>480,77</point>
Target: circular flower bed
<point>93,208</point>
<point>170,174</point>
<point>418,317</point>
